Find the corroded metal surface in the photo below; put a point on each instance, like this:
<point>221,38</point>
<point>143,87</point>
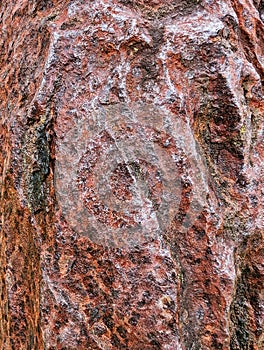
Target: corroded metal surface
<point>131,175</point>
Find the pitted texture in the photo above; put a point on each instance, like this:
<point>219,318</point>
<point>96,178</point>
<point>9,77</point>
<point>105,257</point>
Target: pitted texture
<point>131,161</point>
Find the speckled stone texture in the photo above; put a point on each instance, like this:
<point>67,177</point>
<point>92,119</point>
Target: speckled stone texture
<point>131,159</point>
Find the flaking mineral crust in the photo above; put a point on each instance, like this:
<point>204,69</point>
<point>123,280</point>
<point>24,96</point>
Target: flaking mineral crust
<point>131,160</point>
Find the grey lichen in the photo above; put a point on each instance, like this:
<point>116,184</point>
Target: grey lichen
<point>36,156</point>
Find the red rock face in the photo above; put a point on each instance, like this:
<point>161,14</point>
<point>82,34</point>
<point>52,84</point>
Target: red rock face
<point>131,175</point>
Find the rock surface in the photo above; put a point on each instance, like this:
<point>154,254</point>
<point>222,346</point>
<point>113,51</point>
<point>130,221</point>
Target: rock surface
<point>132,174</point>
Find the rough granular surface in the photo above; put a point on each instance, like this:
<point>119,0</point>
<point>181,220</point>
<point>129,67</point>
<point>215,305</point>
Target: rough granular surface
<point>131,163</point>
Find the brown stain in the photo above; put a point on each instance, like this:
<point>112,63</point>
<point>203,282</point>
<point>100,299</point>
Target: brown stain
<point>59,290</point>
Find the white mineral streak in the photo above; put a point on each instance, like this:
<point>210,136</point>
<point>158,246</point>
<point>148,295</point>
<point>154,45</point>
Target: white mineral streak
<point>46,84</point>
<point>199,29</point>
<point>163,56</point>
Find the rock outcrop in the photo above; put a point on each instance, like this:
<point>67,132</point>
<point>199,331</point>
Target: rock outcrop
<point>132,174</point>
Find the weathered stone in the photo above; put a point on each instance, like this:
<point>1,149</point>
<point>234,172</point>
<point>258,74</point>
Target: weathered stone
<point>131,174</point>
